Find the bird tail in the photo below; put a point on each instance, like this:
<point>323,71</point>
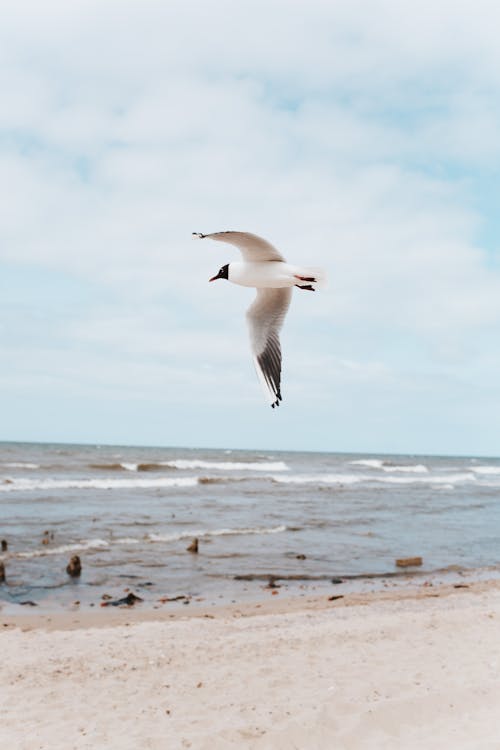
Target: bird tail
<point>317,277</point>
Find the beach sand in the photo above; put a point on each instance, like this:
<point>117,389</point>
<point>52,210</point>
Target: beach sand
<point>412,668</point>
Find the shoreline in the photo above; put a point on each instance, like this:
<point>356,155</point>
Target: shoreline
<point>411,668</point>
<point>266,604</point>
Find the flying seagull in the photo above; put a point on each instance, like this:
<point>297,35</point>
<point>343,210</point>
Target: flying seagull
<point>265,268</point>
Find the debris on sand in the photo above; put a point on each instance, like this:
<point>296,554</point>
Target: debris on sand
<point>333,598</point>
<point>127,601</point>
<point>74,567</point>
<point>4,545</point>
<point>300,557</point>
<point>2,572</point>
<point>271,584</point>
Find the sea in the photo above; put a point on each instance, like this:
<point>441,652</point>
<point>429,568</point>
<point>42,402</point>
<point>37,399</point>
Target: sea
<point>265,521</point>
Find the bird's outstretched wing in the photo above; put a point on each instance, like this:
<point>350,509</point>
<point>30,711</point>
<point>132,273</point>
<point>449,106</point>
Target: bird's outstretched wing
<point>252,247</point>
<point>265,317</point>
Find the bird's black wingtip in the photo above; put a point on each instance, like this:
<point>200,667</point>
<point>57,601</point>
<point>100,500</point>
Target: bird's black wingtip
<point>198,235</point>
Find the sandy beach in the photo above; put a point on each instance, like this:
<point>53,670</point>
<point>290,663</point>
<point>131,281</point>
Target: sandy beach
<point>412,668</point>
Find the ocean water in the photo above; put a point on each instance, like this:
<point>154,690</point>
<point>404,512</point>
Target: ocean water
<point>130,513</point>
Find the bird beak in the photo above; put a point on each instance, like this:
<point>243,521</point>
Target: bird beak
<point>214,278</point>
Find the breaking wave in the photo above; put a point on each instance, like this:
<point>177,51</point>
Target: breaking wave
<point>319,478</point>
<point>372,463</point>
<point>65,548</point>
<point>378,463</point>
<point>182,464</point>
<point>227,465</point>
<point>100,484</point>
<point>341,479</point>
<point>20,465</point>
<point>216,532</point>
<point>487,470</point>
<point>89,544</point>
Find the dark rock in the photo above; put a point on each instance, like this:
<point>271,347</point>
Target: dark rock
<point>193,547</point>
<point>301,557</point>
<point>332,598</point>
<point>336,581</point>
<point>128,600</point>
<point>4,545</point>
<point>74,567</point>
<point>2,572</point>
<point>28,603</point>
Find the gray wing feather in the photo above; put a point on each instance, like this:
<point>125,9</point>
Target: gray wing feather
<point>252,247</point>
<point>265,318</point>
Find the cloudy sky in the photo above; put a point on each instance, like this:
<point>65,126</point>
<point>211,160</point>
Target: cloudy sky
<point>358,135</point>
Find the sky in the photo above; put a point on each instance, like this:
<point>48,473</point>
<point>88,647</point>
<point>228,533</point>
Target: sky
<point>361,136</point>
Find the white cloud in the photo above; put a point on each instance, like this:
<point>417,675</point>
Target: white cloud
<point>351,134</point>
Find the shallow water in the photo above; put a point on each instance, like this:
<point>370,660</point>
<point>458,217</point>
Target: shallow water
<point>130,513</point>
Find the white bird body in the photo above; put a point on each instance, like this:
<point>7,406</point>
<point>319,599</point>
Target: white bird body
<point>264,268</point>
<point>266,274</point>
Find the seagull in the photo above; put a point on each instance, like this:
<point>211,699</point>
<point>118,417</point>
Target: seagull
<point>265,268</point>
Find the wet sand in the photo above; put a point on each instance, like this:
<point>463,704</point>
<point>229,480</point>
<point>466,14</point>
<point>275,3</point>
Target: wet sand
<point>407,668</point>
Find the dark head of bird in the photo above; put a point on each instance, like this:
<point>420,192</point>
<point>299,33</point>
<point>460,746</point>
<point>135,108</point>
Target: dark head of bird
<point>223,273</point>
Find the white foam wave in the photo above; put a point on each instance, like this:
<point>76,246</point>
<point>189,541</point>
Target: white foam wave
<point>416,469</point>
<point>378,463</point>
<point>333,479</point>
<point>488,470</point>
<point>65,548</point>
<point>373,463</point>
<point>21,465</point>
<point>215,532</point>
<point>129,467</point>
<point>318,478</point>
<point>99,484</point>
<point>447,479</point>
<point>87,544</point>
<point>182,463</point>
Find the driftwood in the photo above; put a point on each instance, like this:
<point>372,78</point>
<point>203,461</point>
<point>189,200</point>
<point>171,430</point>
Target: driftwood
<point>408,562</point>
<point>193,547</point>
<point>74,567</point>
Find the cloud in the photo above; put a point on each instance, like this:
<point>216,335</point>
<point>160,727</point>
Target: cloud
<point>354,136</point>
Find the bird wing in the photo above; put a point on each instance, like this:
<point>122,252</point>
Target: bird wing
<point>252,247</point>
<point>265,317</point>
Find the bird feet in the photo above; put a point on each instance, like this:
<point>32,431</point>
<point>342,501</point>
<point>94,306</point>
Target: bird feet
<point>305,278</point>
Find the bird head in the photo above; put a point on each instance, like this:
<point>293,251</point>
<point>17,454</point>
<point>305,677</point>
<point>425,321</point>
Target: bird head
<point>222,274</point>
